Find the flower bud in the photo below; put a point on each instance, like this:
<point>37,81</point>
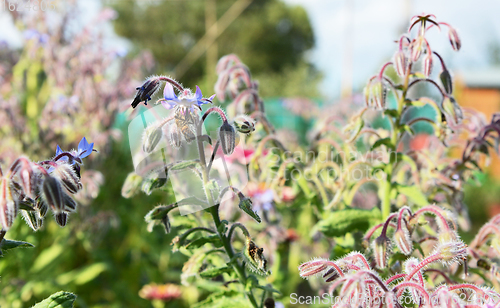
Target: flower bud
<point>145,91</point>
<point>152,136</point>
<point>41,206</point>
<point>68,177</point>
<point>26,176</point>
<point>428,64</point>
<point>159,215</point>
<point>69,204</point>
<point>446,80</point>
<point>381,248</point>
<point>244,124</point>
<point>174,136</point>
<point>314,267</point>
<point>400,63</point>
<point>451,252</point>
<point>8,206</point>
<point>403,240</point>
<point>452,109</point>
<point>255,258</point>
<point>227,136</point>
<point>416,48</point>
<point>455,41</point>
<point>52,194</point>
<point>33,219</point>
<point>61,218</point>
<point>132,185</point>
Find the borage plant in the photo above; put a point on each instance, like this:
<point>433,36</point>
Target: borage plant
<point>398,268</point>
<point>31,188</point>
<point>223,264</point>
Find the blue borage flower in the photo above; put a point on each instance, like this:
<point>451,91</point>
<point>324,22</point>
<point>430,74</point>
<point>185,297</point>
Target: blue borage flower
<point>84,150</point>
<point>185,101</point>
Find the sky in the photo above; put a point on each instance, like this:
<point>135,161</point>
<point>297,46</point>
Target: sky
<point>370,28</point>
<point>355,37</point>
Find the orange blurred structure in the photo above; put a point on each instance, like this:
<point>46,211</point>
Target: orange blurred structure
<point>480,90</point>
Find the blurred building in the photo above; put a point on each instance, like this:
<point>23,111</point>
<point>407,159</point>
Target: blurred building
<point>480,89</point>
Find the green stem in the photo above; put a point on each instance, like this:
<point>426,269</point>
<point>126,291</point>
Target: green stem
<point>214,211</point>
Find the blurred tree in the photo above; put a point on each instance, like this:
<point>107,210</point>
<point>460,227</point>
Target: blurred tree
<point>270,36</point>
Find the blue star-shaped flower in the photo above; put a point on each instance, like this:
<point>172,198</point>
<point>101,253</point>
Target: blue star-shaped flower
<point>186,100</point>
<point>84,150</point>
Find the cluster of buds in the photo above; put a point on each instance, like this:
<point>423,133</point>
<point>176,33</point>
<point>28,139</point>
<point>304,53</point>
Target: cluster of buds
<point>406,223</point>
<point>34,187</point>
<point>410,51</point>
<point>360,285</point>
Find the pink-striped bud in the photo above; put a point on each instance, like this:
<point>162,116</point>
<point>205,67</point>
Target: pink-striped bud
<point>455,41</point>
<point>313,267</point>
<point>381,249</point>
<point>403,240</point>
<point>52,194</point>
<point>416,48</point>
<point>400,63</point>
<point>428,64</point>
<point>8,205</point>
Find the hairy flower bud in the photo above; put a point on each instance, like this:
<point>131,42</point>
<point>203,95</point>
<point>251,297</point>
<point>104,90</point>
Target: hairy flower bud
<point>33,219</point>
<point>132,185</point>
<point>428,64</point>
<point>455,41</point>
<point>69,204</point>
<point>452,109</point>
<point>255,258</point>
<point>174,136</point>
<point>152,183</point>
<point>145,91</point>
<point>41,206</point>
<point>152,136</point>
<point>416,48</point>
<point>68,177</point>
<point>244,124</point>
<point>61,218</point>
<point>403,240</point>
<point>451,252</point>
<point>25,174</point>
<point>314,267</point>
<point>8,205</point>
<point>381,249</point>
<point>227,136</point>
<point>446,80</point>
<point>400,63</point>
<point>52,194</point>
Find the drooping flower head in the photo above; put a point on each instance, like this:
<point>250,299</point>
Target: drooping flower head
<point>84,150</point>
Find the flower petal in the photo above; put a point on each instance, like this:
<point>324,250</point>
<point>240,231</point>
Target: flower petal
<point>198,94</point>
<point>168,92</point>
<point>86,152</point>
<point>83,145</point>
<point>58,150</point>
<point>168,104</point>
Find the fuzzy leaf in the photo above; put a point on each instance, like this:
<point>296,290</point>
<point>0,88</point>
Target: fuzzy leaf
<point>414,194</point>
<point>10,244</point>
<point>184,165</point>
<point>339,223</point>
<point>58,300</point>
<point>214,272</point>
<point>214,239</point>
<point>224,299</point>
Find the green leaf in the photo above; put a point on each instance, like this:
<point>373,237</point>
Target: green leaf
<point>11,244</point>
<point>184,165</point>
<point>339,223</point>
<point>83,275</point>
<point>384,141</point>
<point>224,299</point>
<point>392,113</point>
<point>214,239</point>
<point>214,272</point>
<point>414,194</point>
<point>58,300</point>
<point>46,257</point>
